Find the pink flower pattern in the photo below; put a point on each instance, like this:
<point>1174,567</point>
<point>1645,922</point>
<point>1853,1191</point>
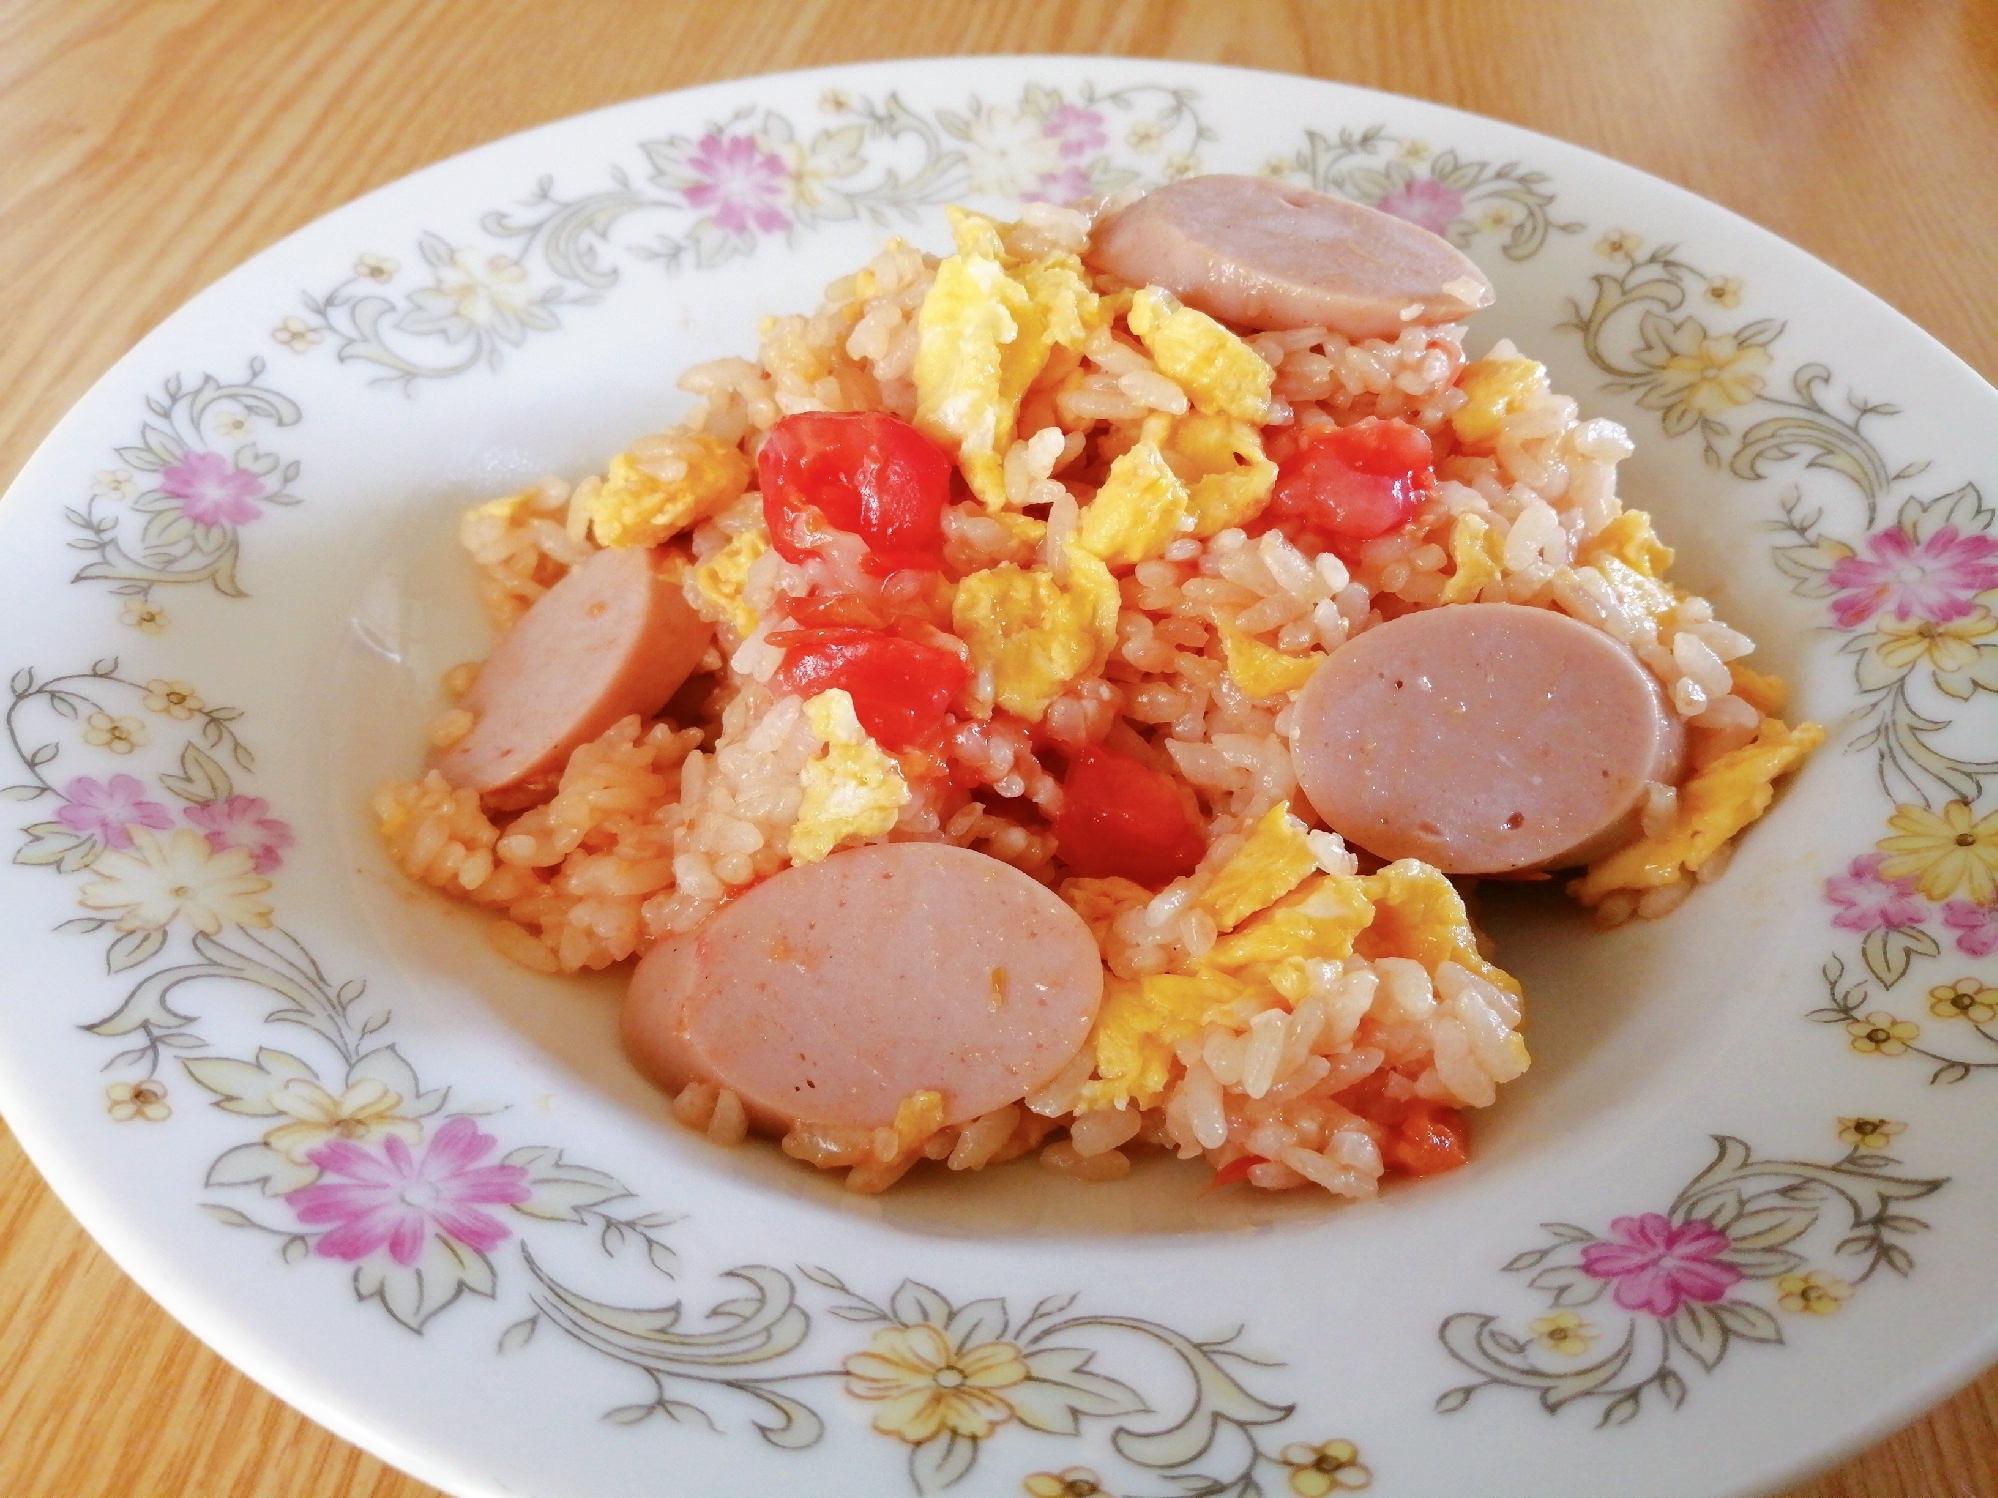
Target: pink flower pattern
<point>244,822</point>
<point>1658,1265</point>
<point>1870,902</point>
<point>1426,202</point>
<point>739,184</point>
<point>393,1200</point>
<point>212,490</point>
<point>110,811</point>
<point>1976,927</point>
<point>1076,130</point>
<point>1935,580</point>
<point>1064,186</point>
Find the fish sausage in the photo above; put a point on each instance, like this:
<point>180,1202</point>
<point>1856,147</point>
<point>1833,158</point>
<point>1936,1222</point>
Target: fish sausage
<point>1259,254</point>
<point>834,990</point>
<point>612,638</point>
<point>1484,738</point>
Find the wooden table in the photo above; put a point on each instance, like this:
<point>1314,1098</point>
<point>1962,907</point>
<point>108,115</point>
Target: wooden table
<point>146,148</point>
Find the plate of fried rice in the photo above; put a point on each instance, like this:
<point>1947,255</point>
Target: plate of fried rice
<point>679,819</point>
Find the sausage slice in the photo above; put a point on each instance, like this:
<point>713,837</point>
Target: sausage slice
<point>1258,254</point>
<point>834,990</point>
<point>612,638</point>
<point>1484,738</point>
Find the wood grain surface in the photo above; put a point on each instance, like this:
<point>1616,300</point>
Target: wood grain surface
<point>148,147</point>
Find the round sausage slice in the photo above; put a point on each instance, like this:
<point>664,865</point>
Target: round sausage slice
<point>1258,254</point>
<point>834,990</point>
<point>1484,738</point>
<point>612,638</point>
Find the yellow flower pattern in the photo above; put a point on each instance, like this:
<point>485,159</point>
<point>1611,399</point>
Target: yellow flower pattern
<point>1881,1032</point>
<point>365,1113</point>
<point>1943,852</point>
<point>1947,647</point>
<point>174,878</point>
<point>146,1100</point>
<point>119,735</point>
<point>1966,998</point>
<point>1328,1468</point>
<point>176,699</point>
<point>1564,1334</point>
<point>1868,1133</point>
<point>926,1386</point>
<point>1812,1294</point>
<point>1070,1482</point>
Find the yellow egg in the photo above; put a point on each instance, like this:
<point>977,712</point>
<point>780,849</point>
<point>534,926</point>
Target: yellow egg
<point>1262,670</point>
<point>1320,918</point>
<point>1630,539</point>
<point>1714,805</point>
<point>1220,373</point>
<point>983,334</point>
<point>1136,1029</point>
<point>719,581</point>
<point>1221,460</point>
<point>1634,590</point>
<point>1477,554</point>
<point>1273,862</point>
<point>1494,389</point>
<point>645,503</point>
<point>1418,914</point>
<point>1034,634</point>
<point>851,789</point>
<point>1139,511</point>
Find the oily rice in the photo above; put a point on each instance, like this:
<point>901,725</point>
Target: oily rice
<point>653,827</point>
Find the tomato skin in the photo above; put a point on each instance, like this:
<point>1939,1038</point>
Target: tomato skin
<point>1429,1140</point>
<point>864,472</point>
<point>1344,485</point>
<point>901,689</point>
<point>1422,1138</point>
<point>1122,818</point>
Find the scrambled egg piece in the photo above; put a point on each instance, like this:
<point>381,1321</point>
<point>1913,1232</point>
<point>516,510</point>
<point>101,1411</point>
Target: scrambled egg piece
<point>1036,635</point>
<point>853,789</point>
<point>1630,539</point>
<point>634,506</point>
<point>1220,373</point>
<point>1320,918</point>
<point>1227,476</point>
<point>984,332</point>
<point>1273,862</point>
<point>1766,694</point>
<point>1478,552</point>
<point>1262,670</point>
<point>1140,509</point>
<point>1418,914</point>
<point>1714,805</point>
<point>1634,590</point>
<point>1495,389</point>
<point>1408,909</point>
<point>719,582</point>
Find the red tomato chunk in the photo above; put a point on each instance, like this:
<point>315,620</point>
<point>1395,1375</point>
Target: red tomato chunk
<point>901,689</point>
<point>1421,1138</point>
<point>1349,484</point>
<point>1121,818</point>
<point>864,472</point>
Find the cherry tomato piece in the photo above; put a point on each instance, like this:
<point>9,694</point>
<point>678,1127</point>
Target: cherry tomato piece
<point>1349,484</point>
<point>1429,1140</point>
<point>864,472</point>
<point>901,689</point>
<point>1235,1170</point>
<point>1119,817</point>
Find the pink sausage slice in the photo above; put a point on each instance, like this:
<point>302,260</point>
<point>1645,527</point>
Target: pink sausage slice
<point>611,638</point>
<point>1484,738</point>
<point>834,990</point>
<point>1258,254</point>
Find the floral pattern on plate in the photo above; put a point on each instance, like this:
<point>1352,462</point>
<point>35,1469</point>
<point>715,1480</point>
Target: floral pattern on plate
<point>1747,1242</point>
<point>1916,598</point>
<point>356,1160</point>
<point>174,513</point>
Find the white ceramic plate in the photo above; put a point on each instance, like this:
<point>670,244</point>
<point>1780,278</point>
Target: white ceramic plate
<point>1737,1220</point>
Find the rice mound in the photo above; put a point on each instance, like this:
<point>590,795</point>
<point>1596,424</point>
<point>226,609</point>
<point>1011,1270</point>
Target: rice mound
<point>1289,1068</point>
